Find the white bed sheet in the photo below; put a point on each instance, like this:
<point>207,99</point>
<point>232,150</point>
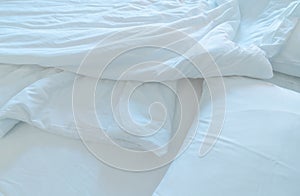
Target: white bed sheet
<point>33,162</point>
<point>257,152</point>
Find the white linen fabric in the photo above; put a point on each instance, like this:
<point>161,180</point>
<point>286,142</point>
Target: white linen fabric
<point>268,24</point>
<point>256,152</point>
<point>34,162</point>
<point>13,80</point>
<point>288,59</point>
<point>273,25</point>
<point>43,98</point>
<point>62,38</point>
<point>43,44</point>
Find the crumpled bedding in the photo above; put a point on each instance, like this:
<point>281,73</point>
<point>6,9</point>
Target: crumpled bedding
<point>257,154</point>
<point>64,38</point>
<point>43,98</point>
<point>43,47</point>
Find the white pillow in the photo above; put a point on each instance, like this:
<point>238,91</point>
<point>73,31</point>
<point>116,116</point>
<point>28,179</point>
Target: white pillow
<point>288,60</point>
<point>267,24</point>
<point>272,26</point>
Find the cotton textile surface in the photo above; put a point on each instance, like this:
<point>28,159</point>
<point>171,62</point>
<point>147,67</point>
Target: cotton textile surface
<point>43,45</point>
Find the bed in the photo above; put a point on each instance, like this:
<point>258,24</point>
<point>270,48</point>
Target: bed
<point>149,98</point>
<point>257,154</point>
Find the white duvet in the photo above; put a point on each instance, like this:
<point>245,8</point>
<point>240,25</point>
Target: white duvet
<point>43,48</point>
<point>64,37</point>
